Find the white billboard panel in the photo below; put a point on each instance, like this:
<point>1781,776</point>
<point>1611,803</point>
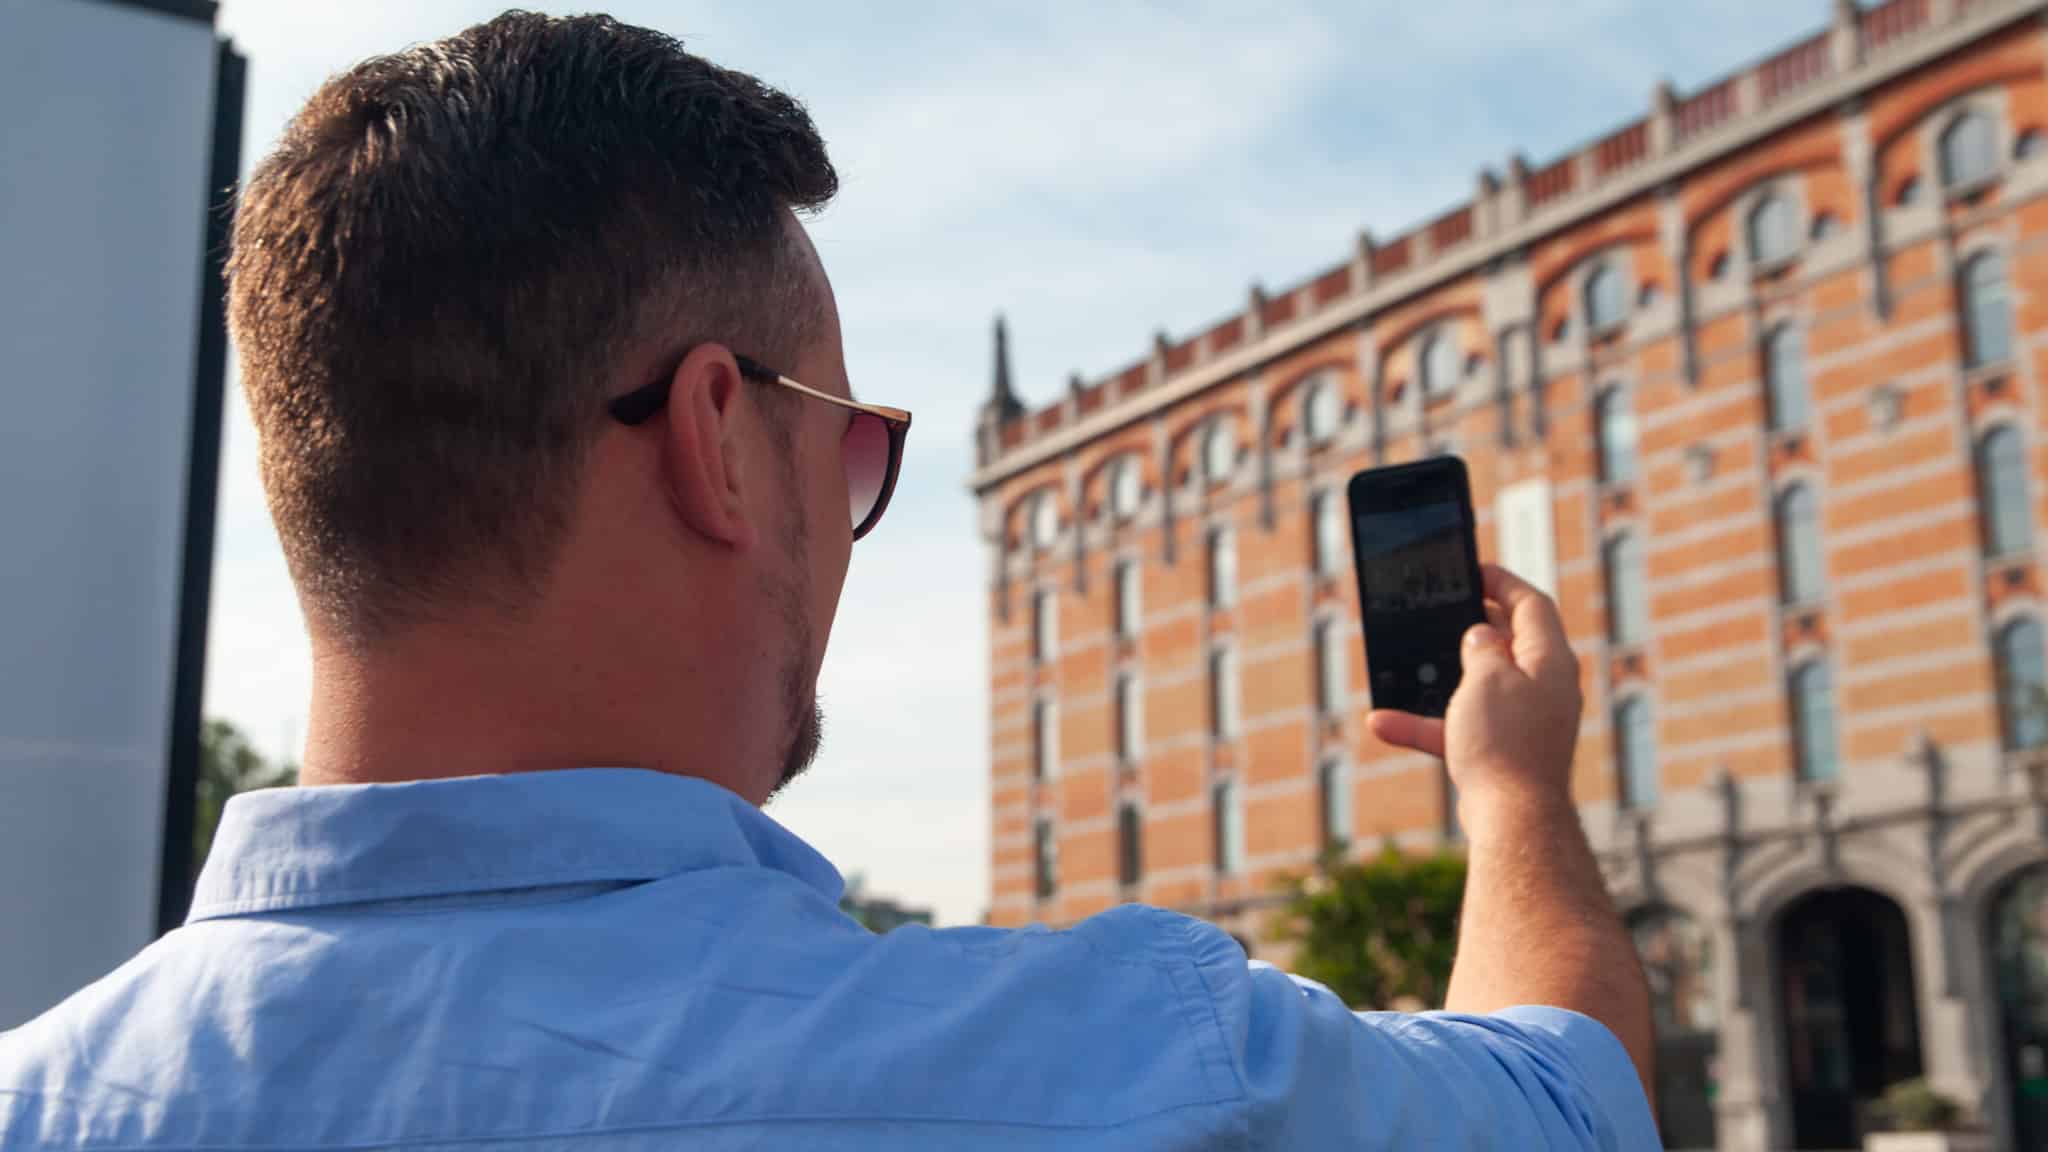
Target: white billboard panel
<point>108,156</point>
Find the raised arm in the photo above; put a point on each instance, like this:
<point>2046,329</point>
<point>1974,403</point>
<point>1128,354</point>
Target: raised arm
<point>1538,926</point>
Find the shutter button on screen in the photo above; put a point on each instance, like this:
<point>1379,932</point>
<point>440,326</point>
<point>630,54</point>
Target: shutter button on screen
<point>1426,673</point>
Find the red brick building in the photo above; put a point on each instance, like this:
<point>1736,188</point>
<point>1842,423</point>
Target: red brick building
<point>1755,385</point>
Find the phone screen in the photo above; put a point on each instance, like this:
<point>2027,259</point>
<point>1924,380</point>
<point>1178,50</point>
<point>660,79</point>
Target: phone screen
<point>1418,579</point>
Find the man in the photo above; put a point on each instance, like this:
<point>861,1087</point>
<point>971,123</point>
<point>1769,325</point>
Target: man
<point>559,441</point>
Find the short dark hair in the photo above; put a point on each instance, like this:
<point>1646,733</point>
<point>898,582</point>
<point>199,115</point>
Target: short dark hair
<point>456,250</point>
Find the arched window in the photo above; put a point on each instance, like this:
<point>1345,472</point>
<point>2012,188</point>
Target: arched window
<point>1967,150</point>
<point>1130,719</point>
<point>1635,754</point>
<point>1322,410</point>
<point>1813,721</point>
<point>1219,450</point>
<point>1628,605</point>
<point>1045,521</point>
<point>2003,502</point>
<point>1987,311</point>
<point>1329,668</point>
<point>1229,827</point>
<point>2022,684</point>
<point>1126,487</point>
<point>1333,789</point>
<point>1614,431</point>
<point>1222,568</point>
<point>1772,237</point>
<point>1801,570</point>
<point>1045,738</point>
<point>1785,378</point>
<point>1825,224</point>
<point>1128,605</point>
<point>1605,301</point>
<point>1438,364</point>
<point>2028,145</point>
<point>1046,849</point>
<point>1327,509</point>
<point>1130,855</point>
<point>1908,192</point>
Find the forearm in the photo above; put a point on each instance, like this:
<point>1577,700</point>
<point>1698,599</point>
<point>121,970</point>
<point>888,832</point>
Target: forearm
<point>1538,926</point>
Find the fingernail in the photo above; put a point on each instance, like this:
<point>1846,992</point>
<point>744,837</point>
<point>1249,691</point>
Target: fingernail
<point>1481,636</point>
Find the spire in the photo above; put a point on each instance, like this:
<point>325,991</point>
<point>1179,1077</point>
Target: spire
<point>1002,401</point>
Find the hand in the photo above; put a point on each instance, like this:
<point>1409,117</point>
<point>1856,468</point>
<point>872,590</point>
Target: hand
<point>1514,720</point>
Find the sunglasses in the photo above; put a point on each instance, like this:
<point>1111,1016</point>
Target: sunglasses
<point>871,450</point>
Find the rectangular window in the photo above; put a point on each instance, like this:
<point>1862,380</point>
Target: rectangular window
<point>1045,625</point>
<point>1222,694</point>
<point>1222,568</point>
<point>1045,739</point>
<point>1628,602</point>
<point>1813,721</point>
<point>1330,677</point>
<point>1635,745</point>
<point>1229,828</point>
<point>1129,849</point>
<point>1127,604</point>
<point>1334,788</point>
<point>1046,852</point>
<point>1130,713</point>
<point>1327,510</point>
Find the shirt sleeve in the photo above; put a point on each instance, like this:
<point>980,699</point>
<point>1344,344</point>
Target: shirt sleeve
<point>1317,1075</point>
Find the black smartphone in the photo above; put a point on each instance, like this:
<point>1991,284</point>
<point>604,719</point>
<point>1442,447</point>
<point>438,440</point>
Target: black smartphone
<point>1418,579</point>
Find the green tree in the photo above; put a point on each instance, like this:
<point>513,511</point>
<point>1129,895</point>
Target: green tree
<point>228,764</point>
<point>1378,930</point>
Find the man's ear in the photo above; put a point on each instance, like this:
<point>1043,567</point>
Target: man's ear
<point>698,458</point>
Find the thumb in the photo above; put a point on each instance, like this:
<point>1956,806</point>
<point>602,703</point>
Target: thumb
<point>1486,650</point>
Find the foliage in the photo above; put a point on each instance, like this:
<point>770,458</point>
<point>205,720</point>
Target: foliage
<point>1377,930</point>
<point>228,764</point>
<point>1915,1106</point>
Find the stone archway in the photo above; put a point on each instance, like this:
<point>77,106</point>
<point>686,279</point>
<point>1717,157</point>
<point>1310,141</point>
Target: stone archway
<point>1848,1009</point>
<point>1678,960</point>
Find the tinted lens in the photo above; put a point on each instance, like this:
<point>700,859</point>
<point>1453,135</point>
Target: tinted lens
<point>865,451</point>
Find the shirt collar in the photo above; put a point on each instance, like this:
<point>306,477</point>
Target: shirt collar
<point>285,848</point>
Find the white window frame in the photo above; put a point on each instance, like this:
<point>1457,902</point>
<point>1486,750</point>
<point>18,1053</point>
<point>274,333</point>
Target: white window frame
<point>1222,566</point>
<point>1326,531</point>
<point>1130,606</point>
<point>1045,626</point>
<point>2002,507</point>
<point>1599,320</point>
<point>1224,721</point>
<point>1970,114</point>
<point>1623,560</point>
<point>1126,488</point>
<point>1045,738</point>
<point>1331,675</point>
<point>1045,522</point>
<point>1607,422</point>
<point>1972,295</point>
<point>1227,797</point>
<point>1438,379</point>
<point>1802,559</point>
<point>1219,450</point>
<point>1333,780</point>
<point>1629,774</point>
<point>1320,395</point>
<point>1771,228</point>
<point>1776,388</point>
<point>1130,718</point>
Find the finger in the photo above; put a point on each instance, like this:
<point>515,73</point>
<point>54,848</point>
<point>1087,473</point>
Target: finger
<point>1407,730</point>
<point>1533,621</point>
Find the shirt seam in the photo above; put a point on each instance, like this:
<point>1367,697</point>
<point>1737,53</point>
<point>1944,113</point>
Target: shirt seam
<point>470,884</point>
<point>655,1128</point>
<point>1236,1076</point>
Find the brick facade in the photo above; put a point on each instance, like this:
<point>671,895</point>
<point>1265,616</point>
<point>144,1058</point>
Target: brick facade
<point>1853,211</point>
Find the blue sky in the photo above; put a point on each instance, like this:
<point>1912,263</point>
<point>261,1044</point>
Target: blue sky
<point>1097,172</point>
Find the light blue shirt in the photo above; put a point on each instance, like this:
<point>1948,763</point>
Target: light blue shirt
<point>619,959</point>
